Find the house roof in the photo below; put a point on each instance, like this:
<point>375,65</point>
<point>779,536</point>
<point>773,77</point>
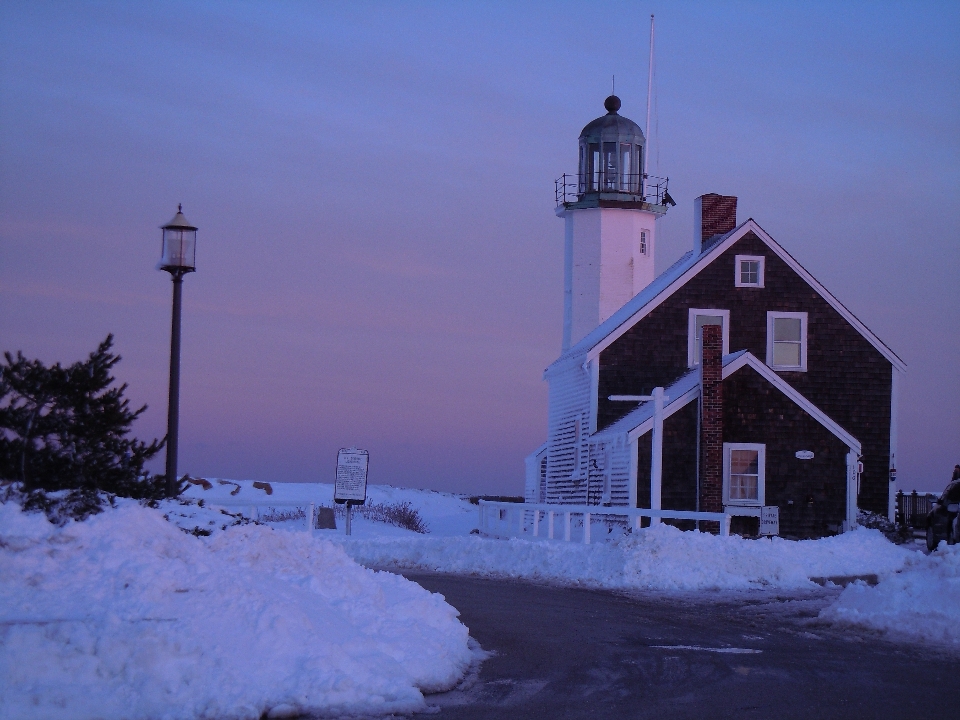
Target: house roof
<point>687,389</point>
<point>678,274</point>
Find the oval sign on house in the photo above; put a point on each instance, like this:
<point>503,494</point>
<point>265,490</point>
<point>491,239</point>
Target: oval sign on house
<point>805,454</point>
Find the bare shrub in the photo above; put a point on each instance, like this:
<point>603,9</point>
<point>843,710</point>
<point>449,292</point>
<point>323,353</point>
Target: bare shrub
<point>275,515</point>
<point>399,515</point>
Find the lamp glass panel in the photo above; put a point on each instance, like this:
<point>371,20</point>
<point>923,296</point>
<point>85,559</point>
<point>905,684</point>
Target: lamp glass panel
<point>179,248</point>
<point>626,168</point>
<point>609,166</point>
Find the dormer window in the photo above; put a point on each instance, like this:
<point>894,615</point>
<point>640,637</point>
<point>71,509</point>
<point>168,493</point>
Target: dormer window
<point>748,271</point>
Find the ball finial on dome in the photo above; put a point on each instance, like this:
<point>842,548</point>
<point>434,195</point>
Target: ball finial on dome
<point>612,104</point>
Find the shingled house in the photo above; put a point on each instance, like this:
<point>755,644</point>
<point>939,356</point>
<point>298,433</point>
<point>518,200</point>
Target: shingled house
<point>775,394</point>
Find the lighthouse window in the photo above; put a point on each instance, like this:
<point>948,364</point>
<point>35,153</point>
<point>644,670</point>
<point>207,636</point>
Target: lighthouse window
<point>594,169</point>
<point>609,166</point>
<point>583,170</point>
<point>643,242</point>
<point>626,168</point>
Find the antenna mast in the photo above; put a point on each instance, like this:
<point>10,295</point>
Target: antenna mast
<point>646,150</point>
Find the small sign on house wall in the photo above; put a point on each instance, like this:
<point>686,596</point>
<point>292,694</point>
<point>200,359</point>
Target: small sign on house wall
<point>770,520</point>
<point>804,454</point>
<point>351,476</point>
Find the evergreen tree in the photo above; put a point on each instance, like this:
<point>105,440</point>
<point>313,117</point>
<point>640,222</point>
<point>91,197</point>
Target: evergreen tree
<point>66,428</point>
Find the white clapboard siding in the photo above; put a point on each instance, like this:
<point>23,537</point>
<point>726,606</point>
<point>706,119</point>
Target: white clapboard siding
<point>535,486</point>
<point>569,410</point>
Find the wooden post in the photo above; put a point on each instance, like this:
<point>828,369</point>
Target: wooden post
<point>656,463</point>
<point>586,528</point>
<point>550,525</point>
<point>566,529</point>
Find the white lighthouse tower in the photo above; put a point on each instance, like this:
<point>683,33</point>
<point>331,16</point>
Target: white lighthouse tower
<point>610,210</point>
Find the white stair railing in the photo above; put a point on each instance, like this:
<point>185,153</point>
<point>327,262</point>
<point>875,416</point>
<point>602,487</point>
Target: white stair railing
<point>506,519</point>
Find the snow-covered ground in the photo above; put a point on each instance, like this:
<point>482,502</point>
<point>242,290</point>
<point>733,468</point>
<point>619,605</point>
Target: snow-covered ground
<point>125,616</point>
<point>921,601</point>
<point>916,595</point>
<point>657,558</point>
<point>445,514</point>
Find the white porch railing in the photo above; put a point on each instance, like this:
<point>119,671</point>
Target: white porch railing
<point>253,507</point>
<point>526,520</point>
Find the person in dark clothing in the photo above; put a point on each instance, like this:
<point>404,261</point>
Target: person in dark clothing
<point>956,473</point>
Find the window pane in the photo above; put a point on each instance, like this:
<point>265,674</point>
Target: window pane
<point>609,166</point>
<point>594,166</point>
<point>626,167</point>
<point>749,272</point>
<point>744,461</point>
<point>786,329</point>
<point>786,353</point>
<point>744,487</point>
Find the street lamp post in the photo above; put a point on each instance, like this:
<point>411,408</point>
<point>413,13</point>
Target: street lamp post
<point>179,254</point>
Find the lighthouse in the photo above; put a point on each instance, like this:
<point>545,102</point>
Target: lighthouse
<point>610,210</point>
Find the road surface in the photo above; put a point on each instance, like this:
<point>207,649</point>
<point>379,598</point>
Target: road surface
<point>571,653</point>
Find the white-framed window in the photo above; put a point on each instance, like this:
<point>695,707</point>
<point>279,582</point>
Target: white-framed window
<point>748,271</point>
<point>697,318</point>
<point>744,470</point>
<point>787,340</point>
<point>643,242</point>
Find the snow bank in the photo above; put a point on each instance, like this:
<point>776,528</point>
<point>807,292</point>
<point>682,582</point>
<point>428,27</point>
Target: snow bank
<point>922,601</point>
<point>660,557</point>
<point>445,514</point>
<point>126,616</point>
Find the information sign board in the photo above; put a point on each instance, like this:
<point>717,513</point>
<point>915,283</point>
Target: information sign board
<point>351,476</point>
<point>770,520</point>
<point>804,454</point>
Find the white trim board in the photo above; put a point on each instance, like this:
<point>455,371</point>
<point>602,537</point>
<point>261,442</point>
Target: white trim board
<point>736,362</point>
<point>709,256</point>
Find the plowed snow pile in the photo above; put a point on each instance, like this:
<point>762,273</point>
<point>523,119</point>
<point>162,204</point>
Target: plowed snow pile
<point>660,557</point>
<point>923,601</point>
<point>126,616</point>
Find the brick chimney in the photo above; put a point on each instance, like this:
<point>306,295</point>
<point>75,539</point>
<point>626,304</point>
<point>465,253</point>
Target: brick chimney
<point>712,215</point>
<point>711,419</point>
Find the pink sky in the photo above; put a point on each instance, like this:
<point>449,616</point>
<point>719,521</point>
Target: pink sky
<point>378,259</point>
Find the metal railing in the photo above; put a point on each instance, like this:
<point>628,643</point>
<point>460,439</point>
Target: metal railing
<point>648,188</point>
<point>523,520</point>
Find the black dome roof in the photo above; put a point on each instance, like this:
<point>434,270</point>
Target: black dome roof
<point>612,124</point>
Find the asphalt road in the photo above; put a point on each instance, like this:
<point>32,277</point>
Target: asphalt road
<point>570,653</point>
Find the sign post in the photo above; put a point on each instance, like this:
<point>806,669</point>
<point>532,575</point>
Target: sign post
<point>351,486</point>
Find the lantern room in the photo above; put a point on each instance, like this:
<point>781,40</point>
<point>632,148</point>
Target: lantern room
<point>611,154</point>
